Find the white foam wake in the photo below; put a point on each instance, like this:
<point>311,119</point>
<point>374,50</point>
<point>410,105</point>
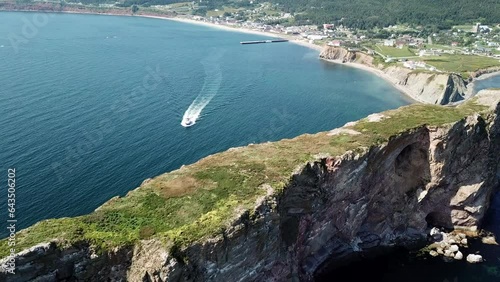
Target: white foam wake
<point>211,85</point>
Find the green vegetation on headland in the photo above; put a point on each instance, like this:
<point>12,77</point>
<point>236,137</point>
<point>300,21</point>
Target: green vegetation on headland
<point>370,13</point>
<point>394,52</point>
<point>200,200</point>
<point>463,64</point>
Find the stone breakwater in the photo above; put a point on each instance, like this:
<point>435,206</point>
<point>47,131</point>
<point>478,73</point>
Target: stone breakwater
<point>332,211</point>
<point>425,87</point>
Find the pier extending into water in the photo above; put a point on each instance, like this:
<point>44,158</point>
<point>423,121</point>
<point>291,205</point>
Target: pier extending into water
<point>264,41</point>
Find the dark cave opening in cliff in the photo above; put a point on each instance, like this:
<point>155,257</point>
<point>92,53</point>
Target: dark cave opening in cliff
<point>437,219</point>
<point>385,265</point>
<point>412,167</point>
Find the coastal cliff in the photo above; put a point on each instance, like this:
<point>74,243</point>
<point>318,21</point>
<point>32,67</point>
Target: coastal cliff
<point>483,72</point>
<point>344,55</point>
<point>286,210</point>
<point>426,87</point>
<point>432,88</point>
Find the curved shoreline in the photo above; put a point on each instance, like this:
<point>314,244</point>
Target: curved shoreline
<point>151,258</point>
<point>292,39</point>
<point>379,73</point>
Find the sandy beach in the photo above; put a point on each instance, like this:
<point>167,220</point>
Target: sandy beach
<point>472,85</point>
<point>292,39</point>
<point>488,75</point>
<point>380,74</point>
<point>395,83</point>
<point>295,40</point>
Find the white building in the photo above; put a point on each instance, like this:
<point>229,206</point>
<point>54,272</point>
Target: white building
<point>389,42</point>
<point>410,65</point>
<point>316,37</point>
<point>423,53</point>
<point>335,43</point>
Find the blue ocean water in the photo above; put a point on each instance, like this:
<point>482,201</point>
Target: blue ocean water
<point>491,82</point>
<point>91,105</point>
<point>404,266</point>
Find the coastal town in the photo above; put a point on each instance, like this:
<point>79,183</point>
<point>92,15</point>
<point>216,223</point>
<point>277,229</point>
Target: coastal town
<point>250,140</point>
<point>461,49</point>
<point>474,45</point>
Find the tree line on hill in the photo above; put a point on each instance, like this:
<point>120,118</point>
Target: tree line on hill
<point>363,14</point>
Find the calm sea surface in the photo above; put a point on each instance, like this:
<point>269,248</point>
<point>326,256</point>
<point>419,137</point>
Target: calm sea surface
<point>491,82</point>
<point>90,106</point>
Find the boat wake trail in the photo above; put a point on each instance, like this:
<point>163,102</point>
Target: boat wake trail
<point>211,85</point>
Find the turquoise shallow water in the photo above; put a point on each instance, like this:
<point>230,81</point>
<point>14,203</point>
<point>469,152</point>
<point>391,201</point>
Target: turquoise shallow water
<point>491,82</point>
<point>80,126</point>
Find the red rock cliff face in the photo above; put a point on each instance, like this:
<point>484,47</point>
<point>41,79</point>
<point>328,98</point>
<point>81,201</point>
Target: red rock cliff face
<point>333,210</point>
<point>338,208</point>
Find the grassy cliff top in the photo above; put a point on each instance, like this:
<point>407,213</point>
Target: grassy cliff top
<point>199,200</point>
<point>463,64</point>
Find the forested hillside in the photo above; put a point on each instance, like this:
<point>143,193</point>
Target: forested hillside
<point>369,13</point>
<point>362,14</point>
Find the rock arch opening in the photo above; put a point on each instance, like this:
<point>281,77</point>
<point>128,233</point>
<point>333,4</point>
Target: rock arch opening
<point>439,219</point>
<point>412,166</point>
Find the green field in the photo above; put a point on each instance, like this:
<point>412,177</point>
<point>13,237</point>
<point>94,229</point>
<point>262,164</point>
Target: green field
<point>394,52</point>
<point>401,28</point>
<point>220,12</point>
<point>437,46</point>
<point>466,28</point>
<point>463,64</point>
